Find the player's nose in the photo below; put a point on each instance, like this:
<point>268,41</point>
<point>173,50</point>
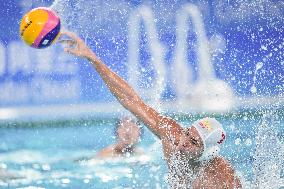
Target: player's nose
<point>182,146</point>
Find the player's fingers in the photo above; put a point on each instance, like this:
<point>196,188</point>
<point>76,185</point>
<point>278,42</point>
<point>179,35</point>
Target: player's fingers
<point>70,34</point>
<point>69,42</point>
<point>71,51</point>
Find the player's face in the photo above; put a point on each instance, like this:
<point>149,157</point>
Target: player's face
<point>128,133</point>
<point>190,143</point>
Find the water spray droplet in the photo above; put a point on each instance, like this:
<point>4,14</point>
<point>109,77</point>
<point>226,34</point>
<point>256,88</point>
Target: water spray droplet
<point>238,141</point>
<point>248,142</point>
<point>65,181</point>
<point>259,65</point>
<point>86,181</point>
<point>263,47</point>
<point>253,89</point>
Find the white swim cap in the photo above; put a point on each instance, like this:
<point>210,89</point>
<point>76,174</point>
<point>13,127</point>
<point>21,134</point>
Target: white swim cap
<point>212,135</point>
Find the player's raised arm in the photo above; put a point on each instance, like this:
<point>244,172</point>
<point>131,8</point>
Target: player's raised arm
<point>121,89</point>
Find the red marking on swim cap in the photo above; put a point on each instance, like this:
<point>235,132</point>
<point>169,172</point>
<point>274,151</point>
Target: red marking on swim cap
<point>205,125</point>
<point>222,139</point>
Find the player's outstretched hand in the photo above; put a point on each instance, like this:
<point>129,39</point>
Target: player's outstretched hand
<point>75,45</point>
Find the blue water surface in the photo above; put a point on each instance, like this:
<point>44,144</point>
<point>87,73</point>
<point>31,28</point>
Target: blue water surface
<point>47,155</point>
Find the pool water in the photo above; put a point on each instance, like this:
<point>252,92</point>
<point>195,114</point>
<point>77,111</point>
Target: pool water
<point>49,154</point>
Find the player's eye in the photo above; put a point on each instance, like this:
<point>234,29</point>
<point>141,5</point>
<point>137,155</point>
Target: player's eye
<point>193,141</point>
<point>187,133</point>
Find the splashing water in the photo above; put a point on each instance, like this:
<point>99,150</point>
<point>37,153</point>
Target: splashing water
<point>157,50</point>
<point>181,174</point>
<point>269,154</point>
<point>259,65</point>
<point>66,11</point>
<point>207,90</point>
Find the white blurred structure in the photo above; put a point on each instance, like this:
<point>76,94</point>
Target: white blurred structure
<point>208,93</point>
<point>145,14</point>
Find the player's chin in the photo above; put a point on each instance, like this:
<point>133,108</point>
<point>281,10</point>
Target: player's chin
<point>128,143</point>
<point>190,155</point>
<point>185,153</point>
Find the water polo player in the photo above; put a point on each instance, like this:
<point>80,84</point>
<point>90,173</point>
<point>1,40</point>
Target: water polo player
<point>191,152</point>
<point>128,133</point>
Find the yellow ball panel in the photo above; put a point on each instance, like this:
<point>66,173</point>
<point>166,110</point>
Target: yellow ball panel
<point>32,24</point>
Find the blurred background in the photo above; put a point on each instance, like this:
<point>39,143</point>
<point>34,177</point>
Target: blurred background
<point>187,59</point>
<point>179,57</point>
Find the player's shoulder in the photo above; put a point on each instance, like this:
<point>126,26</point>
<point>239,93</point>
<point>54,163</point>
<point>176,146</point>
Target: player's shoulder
<point>170,128</point>
<point>219,165</point>
<point>226,171</point>
<point>219,173</point>
<point>220,161</point>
